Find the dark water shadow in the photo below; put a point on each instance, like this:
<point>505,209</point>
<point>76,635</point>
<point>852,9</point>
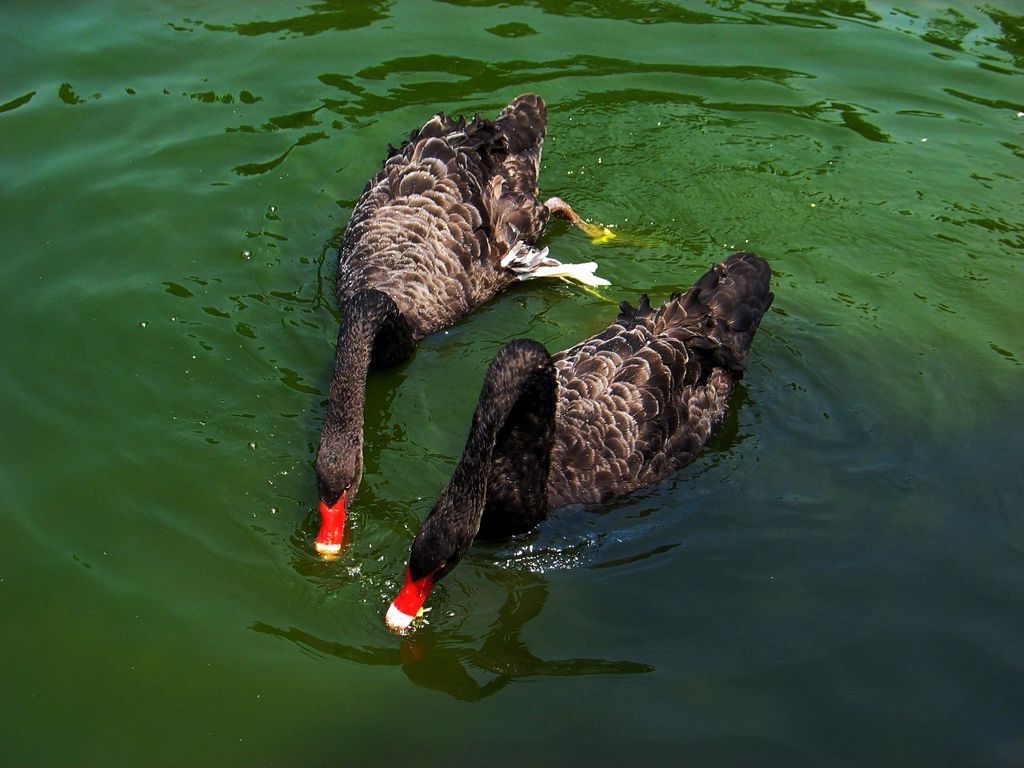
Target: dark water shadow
<point>799,13</point>
<point>411,80</point>
<point>453,665</point>
<point>635,11</point>
<point>255,169</point>
<point>488,77</point>
<point>478,77</point>
<point>18,102</point>
<point>325,16</point>
<point>1011,42</point>
<point>808,13</point>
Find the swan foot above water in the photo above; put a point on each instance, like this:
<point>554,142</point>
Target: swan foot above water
<point>598,233</point>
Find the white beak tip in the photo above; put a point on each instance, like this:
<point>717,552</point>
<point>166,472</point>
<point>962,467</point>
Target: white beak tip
<point>328,550</point>
<point>395,619</point>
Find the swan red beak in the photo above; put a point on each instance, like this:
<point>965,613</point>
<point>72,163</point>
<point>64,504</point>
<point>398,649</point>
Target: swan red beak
<point>409,602</point>
<point>332,527</point>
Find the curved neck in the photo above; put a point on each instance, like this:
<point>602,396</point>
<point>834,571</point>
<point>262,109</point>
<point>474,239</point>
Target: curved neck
<point>500,483</point>
<point>372,322</point>
<point>365,315</point>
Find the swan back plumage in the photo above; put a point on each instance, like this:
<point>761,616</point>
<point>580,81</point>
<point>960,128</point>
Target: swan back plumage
<point>433,224</point>
<point>640,399</point>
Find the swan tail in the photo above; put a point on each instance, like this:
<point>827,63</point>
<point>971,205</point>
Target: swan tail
<point>523,124</point>
<point>528,262</point>
<point>732,298</point>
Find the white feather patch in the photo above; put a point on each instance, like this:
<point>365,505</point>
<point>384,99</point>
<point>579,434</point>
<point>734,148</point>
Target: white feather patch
<point>528,262</point>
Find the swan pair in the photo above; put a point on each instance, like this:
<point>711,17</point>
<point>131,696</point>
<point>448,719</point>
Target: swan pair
<point>452,219</point>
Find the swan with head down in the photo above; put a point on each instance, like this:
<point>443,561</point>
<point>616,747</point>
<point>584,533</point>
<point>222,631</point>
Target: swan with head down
<point>450,220</point>
<point>617,412</point>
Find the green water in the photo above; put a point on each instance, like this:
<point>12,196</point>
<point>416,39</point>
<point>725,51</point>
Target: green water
<point>836,581</point>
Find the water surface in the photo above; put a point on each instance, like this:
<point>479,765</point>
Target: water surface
<point>836,580</point>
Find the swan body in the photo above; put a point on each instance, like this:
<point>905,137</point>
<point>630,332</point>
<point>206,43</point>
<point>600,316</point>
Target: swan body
<point>433,225</point>
<point>617,412</point>
<point>449,221</point>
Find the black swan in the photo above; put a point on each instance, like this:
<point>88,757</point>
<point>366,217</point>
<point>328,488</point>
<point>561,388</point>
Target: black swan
<point>616,412</point>
<point>448,222</point>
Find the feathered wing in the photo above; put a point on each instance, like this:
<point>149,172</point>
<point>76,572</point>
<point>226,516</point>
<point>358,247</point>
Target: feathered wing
<point>640,399</point>
<point>433,225</point>
<point>516,214</point>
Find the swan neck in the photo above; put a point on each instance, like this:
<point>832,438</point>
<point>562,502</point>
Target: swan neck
<point>356,334</point>
<point>520,367</point>
<point>367,313</point>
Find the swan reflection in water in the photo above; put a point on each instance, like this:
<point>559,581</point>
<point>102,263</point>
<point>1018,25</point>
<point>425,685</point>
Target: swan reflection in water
<point>451,663</point>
